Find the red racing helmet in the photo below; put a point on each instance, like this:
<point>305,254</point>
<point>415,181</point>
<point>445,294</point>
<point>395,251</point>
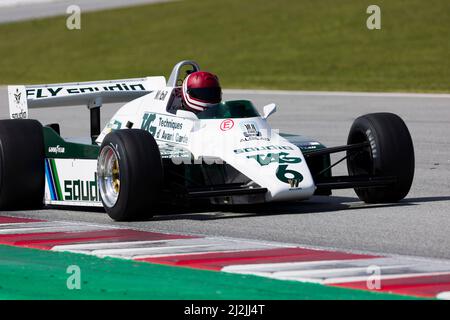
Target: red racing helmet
<point>201,90</point>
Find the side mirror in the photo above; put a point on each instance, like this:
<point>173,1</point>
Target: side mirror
<point>269,110</point>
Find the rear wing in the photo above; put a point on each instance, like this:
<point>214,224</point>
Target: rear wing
<point>91,94</point>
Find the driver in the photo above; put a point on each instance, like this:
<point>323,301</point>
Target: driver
<point>200,90</point>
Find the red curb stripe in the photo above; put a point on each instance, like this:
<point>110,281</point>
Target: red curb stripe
<point>218,260</point>
<point>4,220</point>
<point>46,241</point>
<point>421,286</point>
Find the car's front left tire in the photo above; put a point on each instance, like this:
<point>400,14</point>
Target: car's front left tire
<point>130,174</point>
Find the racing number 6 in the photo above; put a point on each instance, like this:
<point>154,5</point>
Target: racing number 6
<point>283,171</point>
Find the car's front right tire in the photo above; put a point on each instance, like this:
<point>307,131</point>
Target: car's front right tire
<point>130,174</point>
<point>390,153</point>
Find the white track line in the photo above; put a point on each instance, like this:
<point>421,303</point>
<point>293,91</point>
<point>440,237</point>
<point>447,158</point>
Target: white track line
<point>383,277</point>
<point>109,245</point>
<point>338,264</point>
<point>38,227</point>
<point>340,271</point>
<point>345,271</point>
<point>146,249</point>
<point>13,3</point>
<point>289,266</point>
<point>333,281</point>
<point>27,225</point>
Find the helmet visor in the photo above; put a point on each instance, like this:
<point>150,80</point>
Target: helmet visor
<point>211,95</point>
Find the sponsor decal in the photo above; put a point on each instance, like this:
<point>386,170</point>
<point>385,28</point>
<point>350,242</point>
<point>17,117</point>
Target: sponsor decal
<point>19,105</point>
<point>226,125</point>
<point>167,128</point>
<point>56,149</point>
<point>49,92</point>
<point>250,129</point>
<point>289,176</point>
<point>73,186</point>
<point>251,132</point>
<point>263,148</point>
<point>167,123</point>
<point>293,183</point>
<point>373,145</point>
<point>147,122</point>
<point>255,138</point>
<point>170,151</point>
<point>309,146</point>
<point>113,125</point>
<point>52,177</point>
<point>161,94</point>
<point>282,157</point>
<point>79,190</point>
<point>19,115</point>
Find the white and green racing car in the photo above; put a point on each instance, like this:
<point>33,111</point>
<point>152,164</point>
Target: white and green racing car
<point>147,155</point>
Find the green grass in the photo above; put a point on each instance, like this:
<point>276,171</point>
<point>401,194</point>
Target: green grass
<point>283,44</point>
<point>35,274</point>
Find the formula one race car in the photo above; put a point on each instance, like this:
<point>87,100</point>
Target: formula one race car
<point>147,155</point>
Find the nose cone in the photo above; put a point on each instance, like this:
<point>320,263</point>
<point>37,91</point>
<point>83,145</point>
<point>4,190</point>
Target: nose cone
<point>261,154</point>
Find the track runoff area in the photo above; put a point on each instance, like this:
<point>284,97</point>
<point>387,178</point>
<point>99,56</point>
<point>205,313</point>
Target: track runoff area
<point>117,262</point>
<point>82,259</point>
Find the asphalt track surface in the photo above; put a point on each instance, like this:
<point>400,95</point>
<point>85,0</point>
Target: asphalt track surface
<point>35,9</point>
<point>417,226</point>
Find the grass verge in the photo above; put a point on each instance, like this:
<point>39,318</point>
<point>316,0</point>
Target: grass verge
<point>286,44</point>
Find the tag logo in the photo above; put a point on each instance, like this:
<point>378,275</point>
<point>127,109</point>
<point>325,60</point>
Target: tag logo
<point>147,122</point>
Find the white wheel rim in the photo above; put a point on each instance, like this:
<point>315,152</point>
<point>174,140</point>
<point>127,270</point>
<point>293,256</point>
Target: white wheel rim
<point>108,176</point>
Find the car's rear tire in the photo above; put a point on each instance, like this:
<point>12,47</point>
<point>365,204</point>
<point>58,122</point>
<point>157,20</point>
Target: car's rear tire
<point>130,174</point>
<point>391,153</point>
<point>22,167</point>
